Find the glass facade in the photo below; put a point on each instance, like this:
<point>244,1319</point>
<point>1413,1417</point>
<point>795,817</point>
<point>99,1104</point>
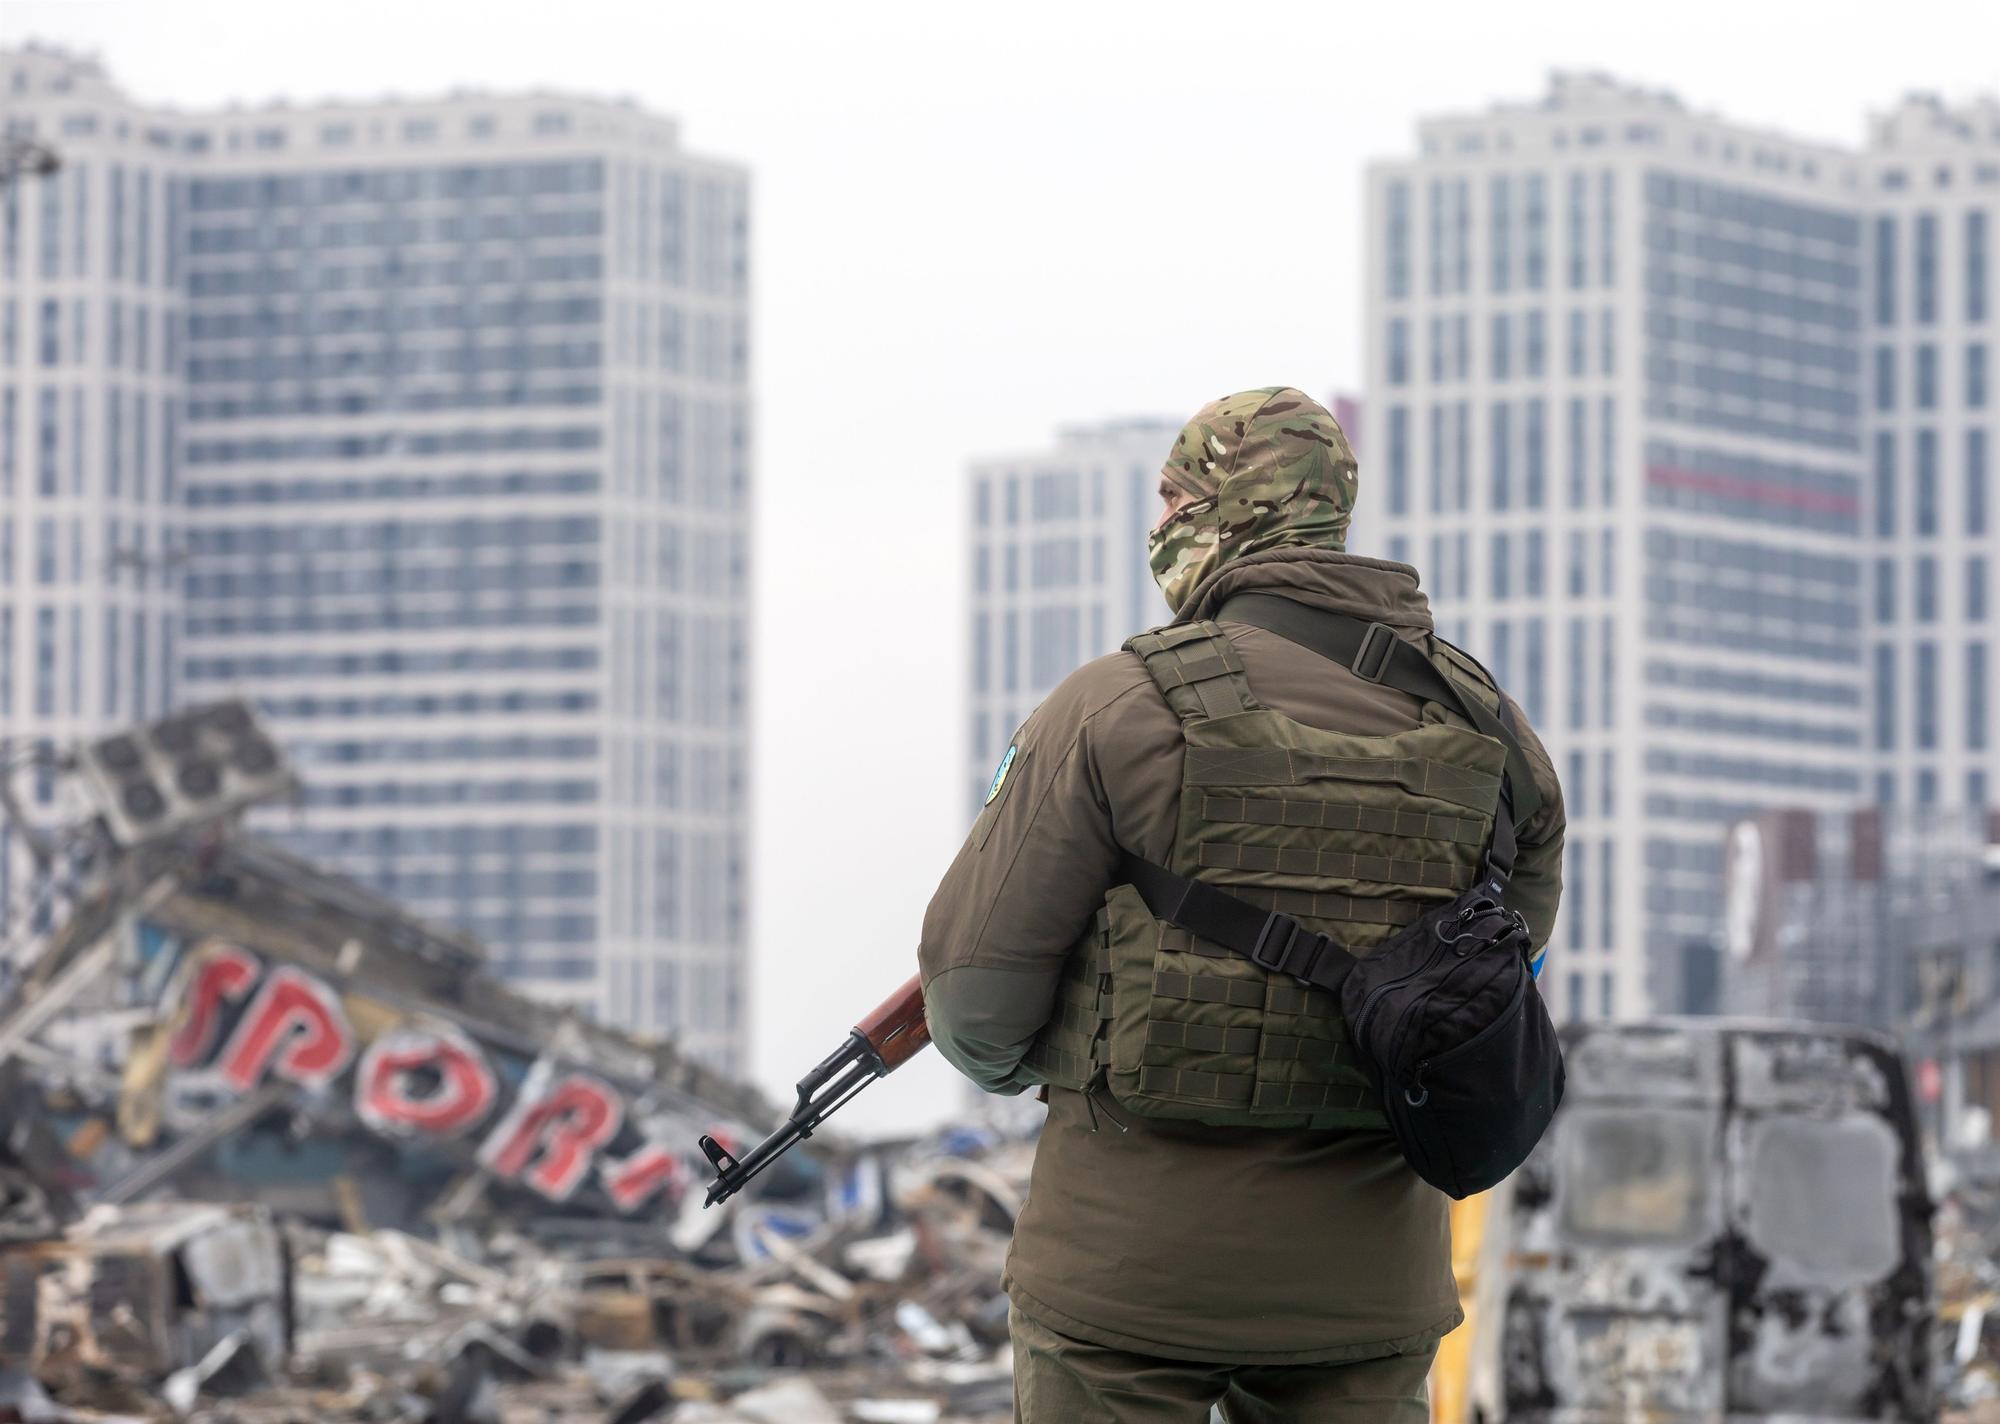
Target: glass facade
<point>444,454</point>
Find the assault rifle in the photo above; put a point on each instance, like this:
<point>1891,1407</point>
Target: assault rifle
<point>890,1036</point>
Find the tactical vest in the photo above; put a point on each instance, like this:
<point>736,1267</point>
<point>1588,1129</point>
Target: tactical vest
<point>1355,836</point>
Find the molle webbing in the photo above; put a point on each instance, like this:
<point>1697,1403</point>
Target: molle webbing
<point>1196,670</point>
<point>1070,1048</point>
<point>1331,864</point>
<point>1277,766</point>
<point>1343,816</point>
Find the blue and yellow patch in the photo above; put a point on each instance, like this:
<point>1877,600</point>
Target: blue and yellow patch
<point>1000,775</point>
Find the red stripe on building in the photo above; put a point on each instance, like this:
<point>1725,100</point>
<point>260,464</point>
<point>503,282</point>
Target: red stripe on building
<point>1755,491</point>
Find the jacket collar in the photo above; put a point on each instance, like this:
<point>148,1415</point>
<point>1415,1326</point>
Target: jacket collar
<point>1376,589</point>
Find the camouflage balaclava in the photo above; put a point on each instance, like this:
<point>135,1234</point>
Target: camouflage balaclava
<point>1266,468</point>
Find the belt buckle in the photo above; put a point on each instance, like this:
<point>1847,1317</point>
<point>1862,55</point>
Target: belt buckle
<point>1371,659</point>
<point>1276,942</point>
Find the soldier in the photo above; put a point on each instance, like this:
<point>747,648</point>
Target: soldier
<point>1217,1214</point>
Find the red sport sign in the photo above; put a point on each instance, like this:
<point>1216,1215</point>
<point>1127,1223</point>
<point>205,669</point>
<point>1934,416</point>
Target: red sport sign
<point>250,1023</point>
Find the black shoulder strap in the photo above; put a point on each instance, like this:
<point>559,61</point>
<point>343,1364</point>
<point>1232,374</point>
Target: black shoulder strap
<point>1372,651</point>
<point>1276,942</point>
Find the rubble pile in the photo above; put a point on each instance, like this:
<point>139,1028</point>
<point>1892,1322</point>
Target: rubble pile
<point>870,1294</point>
<point>273,1149</point>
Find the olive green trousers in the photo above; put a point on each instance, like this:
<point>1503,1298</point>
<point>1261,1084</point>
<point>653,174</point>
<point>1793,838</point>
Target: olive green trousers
<point>1060,1380</point>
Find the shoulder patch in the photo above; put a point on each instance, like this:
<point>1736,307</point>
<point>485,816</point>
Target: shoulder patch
<point>1000,775</point>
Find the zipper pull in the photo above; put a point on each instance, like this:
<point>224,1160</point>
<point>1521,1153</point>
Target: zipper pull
<point>1416,1095</point>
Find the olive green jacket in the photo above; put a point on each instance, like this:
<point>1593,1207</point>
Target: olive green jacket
<point>1226,1244</point>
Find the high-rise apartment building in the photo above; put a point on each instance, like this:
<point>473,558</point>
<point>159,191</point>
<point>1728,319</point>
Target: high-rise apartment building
<point>427,424</point>
<point>1616,406</point>
<point>1932,201</point>
<point>1058,571</point>
<point>91,292</point>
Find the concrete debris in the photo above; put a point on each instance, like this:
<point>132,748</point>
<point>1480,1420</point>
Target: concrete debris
<point>871,1309</point>
<point>274,1150</point>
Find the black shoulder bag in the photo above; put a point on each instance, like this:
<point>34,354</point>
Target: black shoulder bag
<point>1445,1013</point>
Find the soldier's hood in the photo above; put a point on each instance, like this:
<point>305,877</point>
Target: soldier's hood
<point>1265,468</point>
<point>1378,590</point>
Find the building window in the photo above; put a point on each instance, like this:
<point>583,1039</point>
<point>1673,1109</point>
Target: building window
<point>1975,266</point>
<point>1926,589</point>
<point>1501,350</point>
<point>1975,481</point>
<point>1436,481</point>
<point>1975,376</point>
<point>1885,590</point>
<point>1462,346</point>
<point>1885,271</point>
<point>1607,674</point>
<point>1579,454</point>
<point>1399,351</point>
<point>1885,378</point>
<point>1533,557</point>
<point>1885,484</point>
<point>1927,242</point>
<point>1535,243</point>
<point>1927,787</point>
<point>1534,674</point>
<point>1578,674</point>
<point>1885,697</point>
<point>1606,348</point>
<point>1607,900</point>
<point>1462,234</point>
<point>1534,344</point>
<point>1579,342</point>
<point>1398,245</point>
<point>1926,377</point>
<point>1975,788</point>
<point>1975,696</point>
<point>1399,460</point>
<point>1607,440</point>
<point>1534,453</point>
<point>1498,568</point>
<point>1436,350</point>
<point>1462,447</point>
<point>1501,229</point>
<point>45,663</point>
<point>1975,588</point>
<point>1927,696</point>
<point>1579,226</point>
<point>1579,575</point>
<point>1607,226</point>
<point>1434,247</point>
<point>47,440</point>
<point>1927,483</point>
<point>1502,475</point>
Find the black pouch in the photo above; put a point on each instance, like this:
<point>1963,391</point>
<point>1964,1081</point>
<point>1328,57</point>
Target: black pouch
<point>1446,1015</point>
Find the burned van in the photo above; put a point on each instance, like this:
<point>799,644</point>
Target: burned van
<point>1725,1222</point>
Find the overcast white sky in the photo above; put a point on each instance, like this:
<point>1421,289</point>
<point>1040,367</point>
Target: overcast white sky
<point>972,224</point>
